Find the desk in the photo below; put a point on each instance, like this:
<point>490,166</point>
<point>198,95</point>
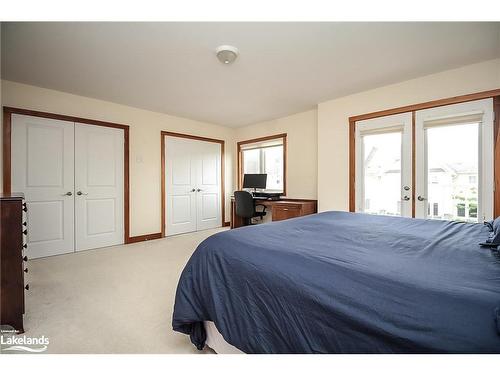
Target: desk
<point>283,209</point>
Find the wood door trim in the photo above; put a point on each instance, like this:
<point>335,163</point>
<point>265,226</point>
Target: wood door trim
<point>7,152</point>
<point>413,164</point>
<point>145,237</point>
<point>352,165</point>
<point>262,139</point>
<point>494,94</point>
<point>496,154</point>
<point>427,105</point>
<point>163,160</point>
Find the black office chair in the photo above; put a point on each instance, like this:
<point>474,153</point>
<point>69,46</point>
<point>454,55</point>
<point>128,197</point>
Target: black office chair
<point>245,207</point>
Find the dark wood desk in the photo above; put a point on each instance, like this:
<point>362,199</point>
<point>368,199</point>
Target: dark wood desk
<point>283,209</point>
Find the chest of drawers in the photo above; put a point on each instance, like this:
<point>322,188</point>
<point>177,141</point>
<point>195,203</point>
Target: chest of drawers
<point>12,258</point>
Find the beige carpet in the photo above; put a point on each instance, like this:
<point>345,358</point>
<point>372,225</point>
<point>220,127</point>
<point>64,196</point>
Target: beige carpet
<point>112,300</point>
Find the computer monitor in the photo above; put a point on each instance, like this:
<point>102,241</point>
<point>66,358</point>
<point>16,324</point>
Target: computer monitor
<point>254,181</point>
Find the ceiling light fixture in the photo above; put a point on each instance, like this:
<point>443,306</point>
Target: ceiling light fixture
<point>227,54</point>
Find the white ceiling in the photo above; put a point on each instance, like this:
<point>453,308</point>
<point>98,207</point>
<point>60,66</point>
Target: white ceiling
<point>283,68</point>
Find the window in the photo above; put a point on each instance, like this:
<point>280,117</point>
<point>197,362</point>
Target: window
<point>264,155</point>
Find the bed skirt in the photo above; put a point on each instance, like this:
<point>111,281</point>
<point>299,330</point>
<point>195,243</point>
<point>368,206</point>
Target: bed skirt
<point>216,342</point>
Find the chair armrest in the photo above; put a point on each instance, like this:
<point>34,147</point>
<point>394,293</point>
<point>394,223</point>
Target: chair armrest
<point>257,205</point>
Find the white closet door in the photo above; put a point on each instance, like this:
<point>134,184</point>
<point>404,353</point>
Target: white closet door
<point>99,173</point>
<point>208,185</point>
<point>43,169</point>
<point>180,185</point>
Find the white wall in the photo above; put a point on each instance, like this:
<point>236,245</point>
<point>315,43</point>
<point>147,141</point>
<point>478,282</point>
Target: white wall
<point>302,140</point>
<point>333,115</point>
<point>145,146</point>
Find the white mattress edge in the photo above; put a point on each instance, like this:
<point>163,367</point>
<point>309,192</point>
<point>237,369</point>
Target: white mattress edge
<point>216,342</point>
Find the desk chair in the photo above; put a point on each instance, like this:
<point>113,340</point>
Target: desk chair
<point>245,207</point>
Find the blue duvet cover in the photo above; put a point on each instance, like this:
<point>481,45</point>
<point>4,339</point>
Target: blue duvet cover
<point>339,282</point>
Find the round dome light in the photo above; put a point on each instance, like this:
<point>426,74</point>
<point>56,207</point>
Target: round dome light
<point>227,54</point>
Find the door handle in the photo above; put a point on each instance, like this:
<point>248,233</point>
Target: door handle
<point>193,190</point>
<point>80,193</point>
<point>420,198</point>
<point>406,198</point>
<point>69,194</point>
<point>198,190</point>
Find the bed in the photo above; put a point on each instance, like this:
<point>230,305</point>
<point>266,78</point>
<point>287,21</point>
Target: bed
<point>339,282</point>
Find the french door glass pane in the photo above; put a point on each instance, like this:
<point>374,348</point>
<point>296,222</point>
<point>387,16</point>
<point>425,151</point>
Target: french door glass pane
<point>453,172</point>
<point>382,173</point>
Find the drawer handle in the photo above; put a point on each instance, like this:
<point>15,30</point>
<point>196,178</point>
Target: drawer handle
<point>25,232</point>
<point>25,224</point>
<point>25,258</point>
<point>25,207</point>
<point>26,270</point>
<point>25,246</point>
<point>27,287</point>
<point>285,209</point>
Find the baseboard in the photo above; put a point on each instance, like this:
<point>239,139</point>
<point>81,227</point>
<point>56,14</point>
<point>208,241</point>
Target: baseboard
<point>227,224</point>
<point>145,237</point>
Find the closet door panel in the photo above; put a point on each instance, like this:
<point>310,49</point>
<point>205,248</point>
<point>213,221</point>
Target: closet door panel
<point>99,186</point>
<point>43,169</point>
<point>208,185</point>
<point>180,184</point>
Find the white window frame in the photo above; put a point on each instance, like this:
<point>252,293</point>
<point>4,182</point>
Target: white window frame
<point>486,152</point>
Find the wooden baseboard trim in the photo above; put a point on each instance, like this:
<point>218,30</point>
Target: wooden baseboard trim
<point>144,237</point>
<point>227,223</point>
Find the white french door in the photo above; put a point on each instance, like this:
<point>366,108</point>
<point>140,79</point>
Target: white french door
<point>383,165</point>
<point>454,162</point>
<point>193,185</point>
<point>72,178</point>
